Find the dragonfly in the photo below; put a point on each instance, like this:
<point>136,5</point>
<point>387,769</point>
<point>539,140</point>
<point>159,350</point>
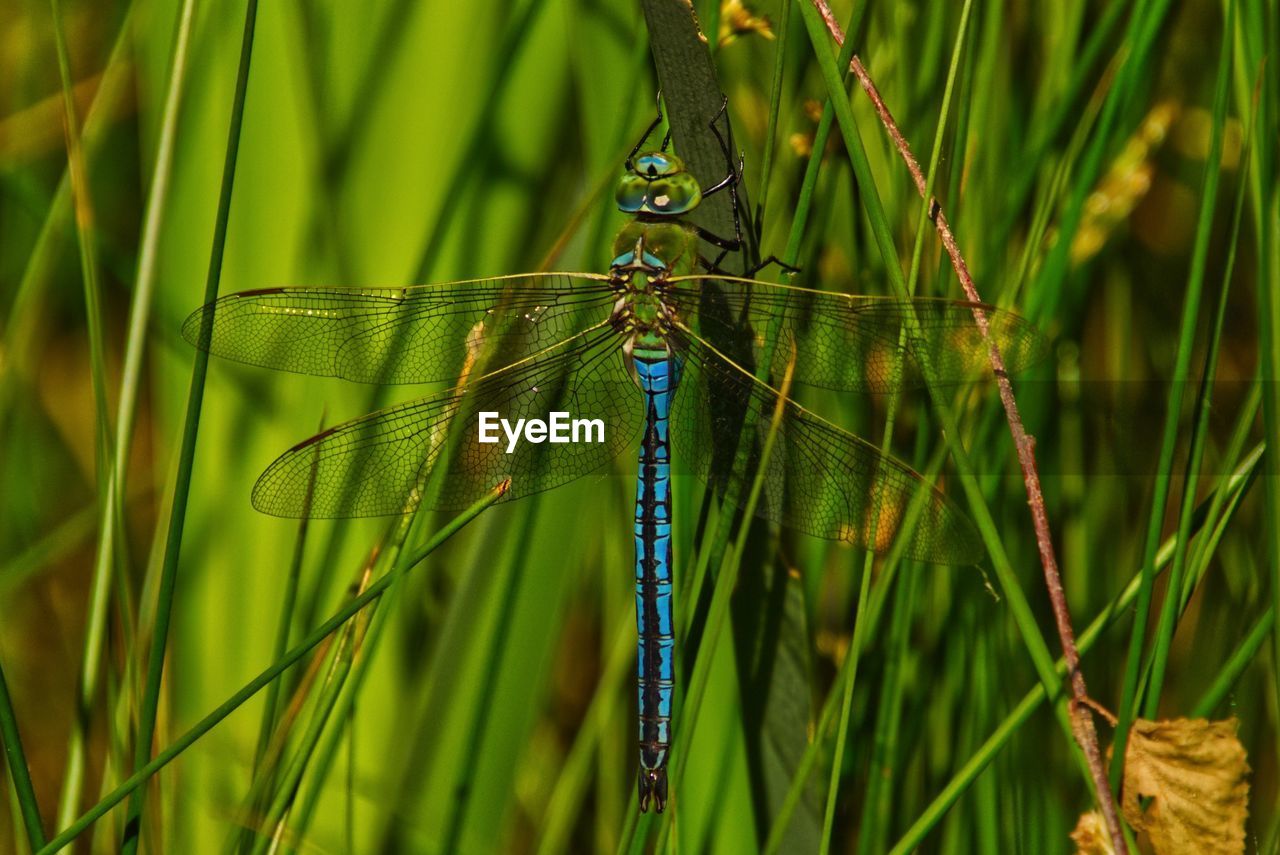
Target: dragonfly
<point>665,351</point>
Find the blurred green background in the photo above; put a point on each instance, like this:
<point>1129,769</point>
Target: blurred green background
<point>396,142</point>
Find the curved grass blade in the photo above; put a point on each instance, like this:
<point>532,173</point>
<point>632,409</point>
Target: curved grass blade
<point>319,634</point>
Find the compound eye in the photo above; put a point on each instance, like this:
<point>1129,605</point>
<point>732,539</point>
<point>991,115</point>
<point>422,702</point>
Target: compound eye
<point>631,193</point>
<point>673,196</point>
<point>657,164</point>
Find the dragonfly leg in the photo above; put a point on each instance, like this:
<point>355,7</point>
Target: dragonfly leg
<point>726,245</point>
<point>657,120</point>
<point>730,181</point>
<point>790,269</point>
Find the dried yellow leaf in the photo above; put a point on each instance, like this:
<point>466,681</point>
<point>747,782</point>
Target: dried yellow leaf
<point>1194,773</point>
<point>1091,837</point>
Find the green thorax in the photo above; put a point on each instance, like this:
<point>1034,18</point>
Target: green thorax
<point>655,245</point>
<point>670,246</point>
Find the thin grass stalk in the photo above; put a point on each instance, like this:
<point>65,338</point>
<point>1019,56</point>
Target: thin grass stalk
<point>1079,721</point>
<point>1130,700</point>
<point>508,584</point>
<point>1019,607</point>
<point>16,760</point>
<point>85,226</point>
<point>857,642</point>
<point>287,607</point>
<point>1144,23</point>
<point>257,800</point>
<point>1266,209</point>
<point>876,805</point>
<point>570,789</point>
<point>1171,608</point>
<point>367,649</point>
<point>1202,550</point>
<point>1231,670</point>
<point>771,126</point>
<point>186,460</point>
<point>1235,488</point>
<point>912,281</point>
<point>272,672</point>
<point>21,326</point>
<point>273,810</point>
<point>854,651</point>
<point>288,604</point>
<point>875,609</point>
<point>274,821</point>
<point>1066,110</point>
<point>110,526</point>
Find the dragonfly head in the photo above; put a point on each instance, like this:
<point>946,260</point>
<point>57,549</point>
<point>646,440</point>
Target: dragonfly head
<point>653,785</point>
<point>657,183</point>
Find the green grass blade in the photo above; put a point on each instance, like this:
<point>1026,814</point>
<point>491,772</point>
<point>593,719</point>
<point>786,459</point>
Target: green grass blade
<point>319,634</point>
<point>912,280</point>
<point>1174,601</point>
<point>1019,608</point>
<point>1168,444</point>
<point>273,822</point>
<point>1259,24</point>
<point>872,836</point>
<point>16,762</point>
<point>85,233</point>
<point>775,102</point>
<point>929,819</point>
<point>1231,670</point>
<point>288,605</point>
<point>1144,24</point>
<point>110,526</point>
<point>177,520</point>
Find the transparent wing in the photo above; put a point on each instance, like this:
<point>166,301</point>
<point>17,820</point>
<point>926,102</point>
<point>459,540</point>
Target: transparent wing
<point>398,335</point>
<point>380,464</point>
<point>818,479</point>
<point>849,343</point>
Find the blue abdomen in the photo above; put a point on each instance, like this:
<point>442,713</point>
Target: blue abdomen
<point>655,665</point>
